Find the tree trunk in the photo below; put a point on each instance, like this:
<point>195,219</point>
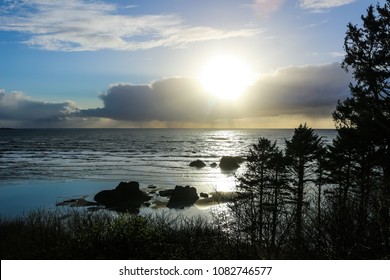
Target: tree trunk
<point>385,210</point>
<point>274,214</point>
<point>301,174</point>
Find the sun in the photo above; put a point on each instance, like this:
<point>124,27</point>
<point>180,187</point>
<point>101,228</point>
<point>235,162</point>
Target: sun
<point>226,77</point>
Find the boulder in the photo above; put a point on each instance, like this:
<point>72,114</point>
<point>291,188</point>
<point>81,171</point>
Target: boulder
<point>204,195</point>
<point>214,165</point>
<point>230,163</point>
<point>166,193</point>
<point>198,164</point>
<point>125,197</point>
<point>183,197</point>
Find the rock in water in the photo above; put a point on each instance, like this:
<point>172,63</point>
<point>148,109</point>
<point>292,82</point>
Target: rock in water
<point>125,197</point>
<point>204,195</point>
<point>166,193</point>
<point>230,163</point>
<point>182,197</point>
<point>198,164</point>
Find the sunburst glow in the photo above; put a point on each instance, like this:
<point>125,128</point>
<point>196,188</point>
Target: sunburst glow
<point>226,77</point>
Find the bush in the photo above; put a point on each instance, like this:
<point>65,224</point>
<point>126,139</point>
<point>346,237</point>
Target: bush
<point>106,235</point>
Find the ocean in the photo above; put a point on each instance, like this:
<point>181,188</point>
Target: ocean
<point>40,167</point>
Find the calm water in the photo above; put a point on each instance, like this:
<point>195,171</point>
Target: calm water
<point>39,167</point>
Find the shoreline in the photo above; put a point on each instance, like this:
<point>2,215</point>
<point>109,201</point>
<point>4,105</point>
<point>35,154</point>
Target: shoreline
<point>20,197</point>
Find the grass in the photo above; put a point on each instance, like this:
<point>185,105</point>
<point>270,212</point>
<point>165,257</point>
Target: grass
<point>101,235</point>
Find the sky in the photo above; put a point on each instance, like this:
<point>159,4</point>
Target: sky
<point>173,63</point>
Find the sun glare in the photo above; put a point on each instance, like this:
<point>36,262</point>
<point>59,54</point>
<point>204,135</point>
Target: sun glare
<point>226,77</point>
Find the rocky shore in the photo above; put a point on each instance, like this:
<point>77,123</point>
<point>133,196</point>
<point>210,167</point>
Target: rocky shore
<point>128,197</point>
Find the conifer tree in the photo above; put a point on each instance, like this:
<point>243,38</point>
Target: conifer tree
<point>367,114</point>
<point>260,207</point>
<point>302,153</point>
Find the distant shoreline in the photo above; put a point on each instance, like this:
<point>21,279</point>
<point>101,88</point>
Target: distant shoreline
<point>147,128</point>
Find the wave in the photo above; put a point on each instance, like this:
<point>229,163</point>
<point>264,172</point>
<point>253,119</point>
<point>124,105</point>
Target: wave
<point>118,153</point>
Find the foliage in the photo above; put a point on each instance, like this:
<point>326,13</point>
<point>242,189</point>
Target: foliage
<point>362,193</point>
<point>104,235</point>
<point>368,55</point>
<point>302,152</point>
<point>262,197</point>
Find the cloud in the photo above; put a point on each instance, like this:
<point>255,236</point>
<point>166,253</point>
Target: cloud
<point>18,108</point>
<point>337,54</point>
<point>292,94</point>
<point>173,99</point>
<point>323,4</point>
<point>79,25</point>
<point>266,8</point>
<point>311,91</point>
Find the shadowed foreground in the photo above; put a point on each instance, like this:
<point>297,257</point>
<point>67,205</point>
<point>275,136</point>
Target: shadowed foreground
<point>83,235</point>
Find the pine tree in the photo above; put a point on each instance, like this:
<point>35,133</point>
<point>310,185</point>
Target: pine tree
<point>259,211</point>
<point>367,114</point>
<point>302,153</point>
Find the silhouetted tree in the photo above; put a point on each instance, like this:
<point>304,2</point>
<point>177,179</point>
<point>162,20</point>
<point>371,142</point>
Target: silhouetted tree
<point>321,175</point>
<point>352,176</point>
<point>366,114</point>
<point>302,153</point>
<point>259,211</point>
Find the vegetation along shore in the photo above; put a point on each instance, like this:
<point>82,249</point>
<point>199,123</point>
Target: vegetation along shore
<point>308,200</point>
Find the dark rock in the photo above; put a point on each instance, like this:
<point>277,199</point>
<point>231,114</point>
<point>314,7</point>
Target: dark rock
<point>151,187</point>
<point>182,197</point>
<point>205,195</point>
<point>76,202</point>
<point>82,203</point>
<point>214,165</point>
<point>198,164</point>
<point>166,193</point>
<point>125,197</point>
<point>230,163</point>
<point>106,197</point>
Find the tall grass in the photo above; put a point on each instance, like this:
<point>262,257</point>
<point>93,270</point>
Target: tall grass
<point>102,235</point>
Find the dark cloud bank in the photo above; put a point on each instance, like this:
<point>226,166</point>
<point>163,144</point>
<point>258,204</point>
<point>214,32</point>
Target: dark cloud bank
<point>309,91</point>
<point>17,109</point>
